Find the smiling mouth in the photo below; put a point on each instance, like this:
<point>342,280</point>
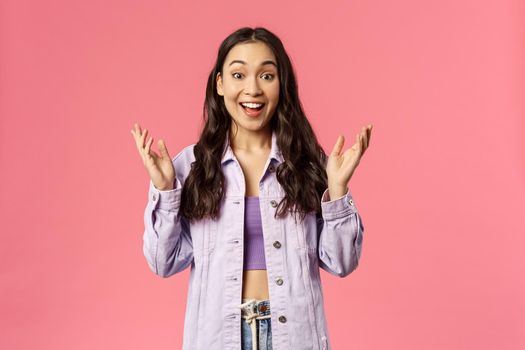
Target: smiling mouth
<point>248,109</point>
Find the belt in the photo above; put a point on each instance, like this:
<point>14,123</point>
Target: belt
<point>255,309</point>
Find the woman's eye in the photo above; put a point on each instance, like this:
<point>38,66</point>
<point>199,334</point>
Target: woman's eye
<point>238,75</point>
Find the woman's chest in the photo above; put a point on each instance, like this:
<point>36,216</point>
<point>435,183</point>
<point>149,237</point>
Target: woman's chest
<point>253,167</point>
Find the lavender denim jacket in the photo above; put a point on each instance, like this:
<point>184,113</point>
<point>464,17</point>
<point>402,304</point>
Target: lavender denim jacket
<point>214,250</point>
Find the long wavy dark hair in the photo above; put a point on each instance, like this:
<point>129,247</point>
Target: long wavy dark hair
<point>302,174</point>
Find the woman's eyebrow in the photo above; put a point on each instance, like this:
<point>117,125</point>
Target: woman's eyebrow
<point>267,62</point>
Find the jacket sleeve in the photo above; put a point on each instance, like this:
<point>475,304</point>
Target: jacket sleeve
<point>167,246</point>
<point>340,234</point>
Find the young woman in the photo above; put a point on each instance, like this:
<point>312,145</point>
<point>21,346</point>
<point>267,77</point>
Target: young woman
<point>255,207</point>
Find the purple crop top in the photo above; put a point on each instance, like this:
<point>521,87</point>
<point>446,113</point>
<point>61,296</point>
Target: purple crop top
<point>253,236</point>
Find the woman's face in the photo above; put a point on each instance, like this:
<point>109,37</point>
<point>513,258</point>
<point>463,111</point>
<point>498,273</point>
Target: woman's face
<point>250,75</point>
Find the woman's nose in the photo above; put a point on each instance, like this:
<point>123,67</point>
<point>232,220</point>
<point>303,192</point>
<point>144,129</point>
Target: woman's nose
<point>252,87</point>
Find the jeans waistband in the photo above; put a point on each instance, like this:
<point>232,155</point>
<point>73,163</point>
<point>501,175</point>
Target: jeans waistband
<point>255,307</point>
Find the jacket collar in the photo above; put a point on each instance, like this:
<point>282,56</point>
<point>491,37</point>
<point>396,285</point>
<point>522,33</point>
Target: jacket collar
<point>275,152</point>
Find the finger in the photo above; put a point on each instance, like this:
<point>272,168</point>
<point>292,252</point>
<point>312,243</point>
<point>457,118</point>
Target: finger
<point>136,136</point>
<point>136,130</point>
<point>364,144</point>
<point>338,145</point>
<point>163,150</point>
<point>143,138</point>
<point>369,134</point>
<point>148,145</point>
<point>364,138</point>
<point>149,153</point>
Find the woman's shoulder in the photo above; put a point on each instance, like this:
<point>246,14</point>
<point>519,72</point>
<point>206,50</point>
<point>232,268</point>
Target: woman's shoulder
<point>185,155</point>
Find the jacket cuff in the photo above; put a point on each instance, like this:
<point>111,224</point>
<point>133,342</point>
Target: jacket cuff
<point>167,200</point>
<point>339,207</point>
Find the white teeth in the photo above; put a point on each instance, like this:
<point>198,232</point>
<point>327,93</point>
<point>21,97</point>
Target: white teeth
<point>252,105</point>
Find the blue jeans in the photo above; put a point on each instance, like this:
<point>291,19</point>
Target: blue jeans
<point>262,323</point>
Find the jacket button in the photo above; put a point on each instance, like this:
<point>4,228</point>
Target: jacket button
<point>154,197</point>
<point>350,201</point>
<point>271,168</point>
<point>277,244</point>
<point>279,281</point>
<point>273,203</point>
<point>282,319</point>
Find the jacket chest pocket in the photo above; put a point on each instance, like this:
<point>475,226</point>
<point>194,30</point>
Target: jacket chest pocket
<point>301,234</point>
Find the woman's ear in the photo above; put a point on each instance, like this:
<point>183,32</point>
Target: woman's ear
<point>219,84</point>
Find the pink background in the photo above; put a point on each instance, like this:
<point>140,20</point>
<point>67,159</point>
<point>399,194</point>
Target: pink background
<point>441,189</point>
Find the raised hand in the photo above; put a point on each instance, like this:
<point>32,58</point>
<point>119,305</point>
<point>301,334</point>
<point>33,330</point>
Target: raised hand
<point>341,166</point>
<point>159,167</point>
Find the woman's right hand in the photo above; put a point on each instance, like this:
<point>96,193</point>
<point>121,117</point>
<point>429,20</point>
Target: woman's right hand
<point>160,168</point>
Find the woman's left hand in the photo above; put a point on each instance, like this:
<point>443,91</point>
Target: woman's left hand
<point>341,166</point>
